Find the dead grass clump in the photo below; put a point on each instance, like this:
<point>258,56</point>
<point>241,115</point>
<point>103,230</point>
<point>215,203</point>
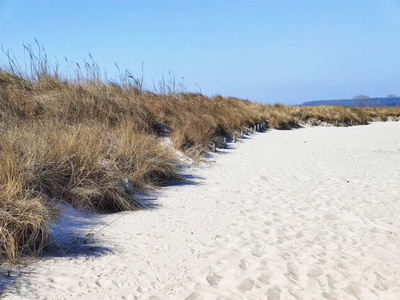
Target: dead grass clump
<point>344,115</point>
<point>84,164</point>
<point>287,117</point>
<point>383,113</point>
<point>280,116</point>
<point>331,114</point>
<point>73,103</point>
<point>61,162</point>
<point>24,222</point>
<point>196,121</point>
<point>142,158</point>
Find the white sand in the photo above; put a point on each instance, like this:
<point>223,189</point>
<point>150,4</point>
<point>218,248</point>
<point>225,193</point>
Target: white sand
<point>304,214</point>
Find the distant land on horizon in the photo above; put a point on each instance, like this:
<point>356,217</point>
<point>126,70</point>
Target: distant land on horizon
<point>363,101</point>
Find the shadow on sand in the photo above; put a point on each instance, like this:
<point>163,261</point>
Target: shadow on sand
<point>74,235</point>
<point>70,234</point>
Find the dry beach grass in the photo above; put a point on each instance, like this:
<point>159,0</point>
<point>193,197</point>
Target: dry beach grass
<point>76,138</point>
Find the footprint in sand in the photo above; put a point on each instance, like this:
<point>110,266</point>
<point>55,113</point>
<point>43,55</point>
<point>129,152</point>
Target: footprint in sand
<point>194,296</point>
<point>293,271</point>
<point>302,177</point>
<point>264,278</point>
<point>257,253</point>
<point>246,285</point>
<point>314,272</point>
<point>273,294</point>
<point>244,264</point>
<point>214,280</point>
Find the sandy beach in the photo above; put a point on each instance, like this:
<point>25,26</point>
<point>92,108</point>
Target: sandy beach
<point>311,213</point>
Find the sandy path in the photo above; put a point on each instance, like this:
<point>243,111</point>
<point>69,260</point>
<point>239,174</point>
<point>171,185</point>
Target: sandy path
<point>303,214</point>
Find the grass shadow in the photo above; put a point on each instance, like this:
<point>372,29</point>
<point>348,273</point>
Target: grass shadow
<point>75,233</point>
<point>8,277</point>
<point>72,236</point>
<point>187,179</point>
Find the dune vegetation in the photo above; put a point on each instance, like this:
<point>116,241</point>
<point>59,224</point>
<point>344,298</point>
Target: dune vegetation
<point>91,142</point>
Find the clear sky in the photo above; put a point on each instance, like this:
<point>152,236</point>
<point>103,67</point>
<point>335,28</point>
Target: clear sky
<point>265,51</point>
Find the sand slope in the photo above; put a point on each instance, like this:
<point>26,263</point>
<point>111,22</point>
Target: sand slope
<point>304,214</point>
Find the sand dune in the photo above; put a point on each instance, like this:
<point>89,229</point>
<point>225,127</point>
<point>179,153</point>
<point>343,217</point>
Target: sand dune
<point>304,214</point>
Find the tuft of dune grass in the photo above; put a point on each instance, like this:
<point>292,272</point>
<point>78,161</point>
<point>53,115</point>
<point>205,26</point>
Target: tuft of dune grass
<point>85,164</point>
<point>196,121</point>
<point>24,220</point>
<point>45,162</point>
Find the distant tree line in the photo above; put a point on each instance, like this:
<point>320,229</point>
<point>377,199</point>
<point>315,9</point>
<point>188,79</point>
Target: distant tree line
<point>360,101</point>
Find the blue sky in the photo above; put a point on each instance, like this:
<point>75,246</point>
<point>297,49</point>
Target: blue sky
<point>265,51</point>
